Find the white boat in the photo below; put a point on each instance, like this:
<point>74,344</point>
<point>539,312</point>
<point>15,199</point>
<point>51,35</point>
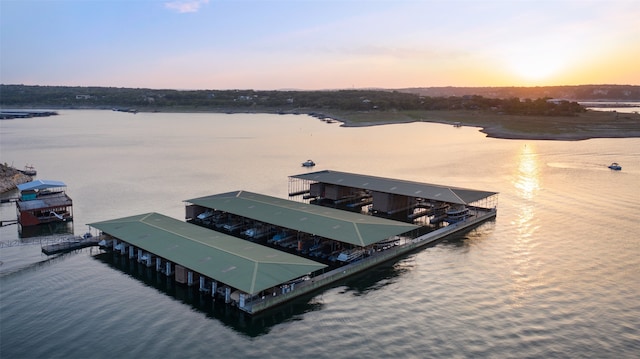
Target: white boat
<point>232,227</point>
<point>205,215</point>
<point>350,255</point>
<point>457,214</point>
<point>105,243</point>
<point>308,163</point>
<point>615,166</point>
<point>386,244</point>
<point>256,232</point>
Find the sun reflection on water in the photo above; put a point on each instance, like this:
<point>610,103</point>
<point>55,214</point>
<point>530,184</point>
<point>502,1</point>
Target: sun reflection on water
<point>524,273</point>
<point>528,181</point>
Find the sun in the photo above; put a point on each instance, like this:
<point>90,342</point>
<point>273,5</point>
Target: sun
<point>535,67</point>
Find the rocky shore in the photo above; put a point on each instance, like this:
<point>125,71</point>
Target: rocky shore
<point>11,177</point>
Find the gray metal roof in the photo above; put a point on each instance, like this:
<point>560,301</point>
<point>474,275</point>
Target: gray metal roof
<point>244,265</point>
<point>40,184</point>
<point>339,225</point>
<point>45,202</point>
<point>395,186</point>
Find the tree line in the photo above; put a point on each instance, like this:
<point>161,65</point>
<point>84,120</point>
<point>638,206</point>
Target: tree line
<point>271,101</point>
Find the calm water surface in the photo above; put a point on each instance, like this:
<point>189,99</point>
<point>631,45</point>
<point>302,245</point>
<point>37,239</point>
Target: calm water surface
<point>623,107</point>
<point>555,275</point>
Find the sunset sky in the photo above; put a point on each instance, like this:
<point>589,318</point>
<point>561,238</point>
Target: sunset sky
<point>318,44</point>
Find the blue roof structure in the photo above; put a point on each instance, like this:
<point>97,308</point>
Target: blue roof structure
<point>40,184</point>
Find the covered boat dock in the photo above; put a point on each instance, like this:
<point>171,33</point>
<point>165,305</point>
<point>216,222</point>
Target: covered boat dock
<point>257,251</point>
<point>326,234</point>
<point>407,201</point>
<point>237,270</point>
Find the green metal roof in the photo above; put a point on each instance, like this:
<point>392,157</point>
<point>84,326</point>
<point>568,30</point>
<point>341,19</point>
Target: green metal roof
<point>395,186</point>
<point>344,226</point>
<point>244,265</point>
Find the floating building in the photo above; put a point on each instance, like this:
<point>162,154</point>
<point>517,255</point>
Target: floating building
<point>43,201</point>
<point>256,251</point>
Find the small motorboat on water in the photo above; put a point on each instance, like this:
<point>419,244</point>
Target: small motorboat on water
<point>308,163</point>
<point>29,170</point>
<point>615,166</point>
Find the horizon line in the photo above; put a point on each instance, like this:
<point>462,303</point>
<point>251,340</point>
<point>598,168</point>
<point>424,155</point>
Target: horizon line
<point>328,89</point>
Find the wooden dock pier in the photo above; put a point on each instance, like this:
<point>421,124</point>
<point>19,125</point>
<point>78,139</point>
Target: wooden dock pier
<point>8,222</point>
<point>70,245</point>
<point>12,114</point>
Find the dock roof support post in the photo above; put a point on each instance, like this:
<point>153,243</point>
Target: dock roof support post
<point>189,278</point>
<point>227,295</point>
<point>168,268</point>
<point>131,252</point>
<point>158,264</point>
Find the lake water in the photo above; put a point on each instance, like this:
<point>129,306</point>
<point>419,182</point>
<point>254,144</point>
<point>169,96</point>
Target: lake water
<point>556,274</point>
<point>617,106</point>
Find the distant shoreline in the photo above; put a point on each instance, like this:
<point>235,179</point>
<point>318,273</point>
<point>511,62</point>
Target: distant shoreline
<point>501,133</point>
<point>589,125</point>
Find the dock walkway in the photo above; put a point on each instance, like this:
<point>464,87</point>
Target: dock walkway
<point>70,245</point>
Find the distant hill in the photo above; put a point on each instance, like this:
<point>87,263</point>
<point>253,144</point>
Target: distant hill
<point>574,93</point>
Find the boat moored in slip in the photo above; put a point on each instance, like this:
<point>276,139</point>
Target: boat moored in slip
<point>205,215</point>
<point>388,243</point>
<point>256,232</point>
<point>457,214</point>
<point>350,255</point>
